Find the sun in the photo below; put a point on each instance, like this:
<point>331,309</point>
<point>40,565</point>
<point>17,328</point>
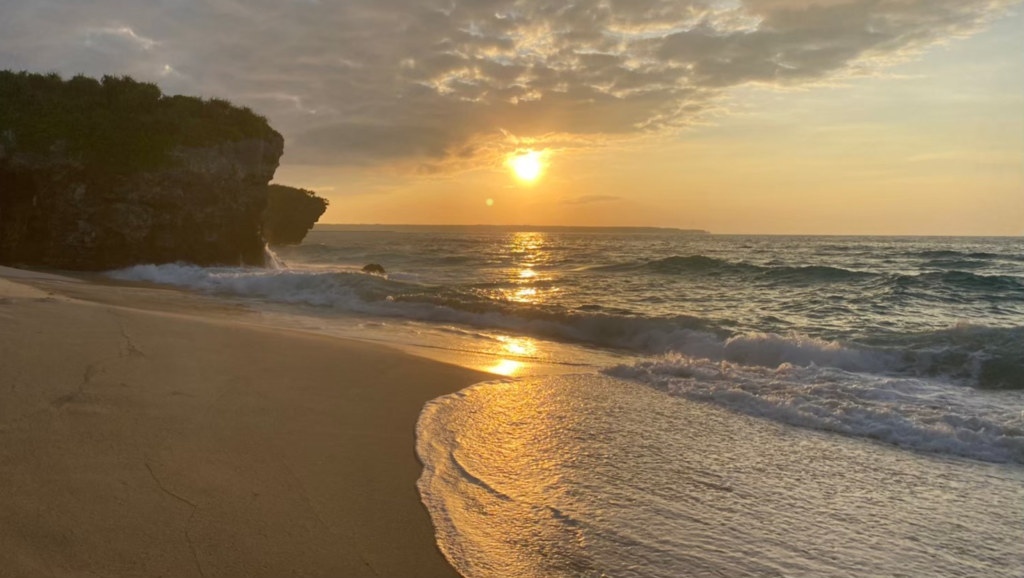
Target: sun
<point>526,166</point>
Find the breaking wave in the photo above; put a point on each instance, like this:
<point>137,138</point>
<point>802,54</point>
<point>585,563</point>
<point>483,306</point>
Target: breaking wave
<point>987,357</point>
<point>924,415</point>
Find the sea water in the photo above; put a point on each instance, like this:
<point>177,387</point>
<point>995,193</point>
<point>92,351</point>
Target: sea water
<point>724,405</point>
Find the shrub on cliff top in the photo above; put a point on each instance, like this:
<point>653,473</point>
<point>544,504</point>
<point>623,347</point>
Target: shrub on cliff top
<point>115,125</point>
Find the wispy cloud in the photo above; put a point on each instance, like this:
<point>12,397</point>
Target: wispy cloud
<point>115,37</point>
<point>588,199</point>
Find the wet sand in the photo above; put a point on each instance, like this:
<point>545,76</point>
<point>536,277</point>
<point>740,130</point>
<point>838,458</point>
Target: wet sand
<point>149,432</point>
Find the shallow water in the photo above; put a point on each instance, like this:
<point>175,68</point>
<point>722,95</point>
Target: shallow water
<point>729,405</point>
<point>585,475</point>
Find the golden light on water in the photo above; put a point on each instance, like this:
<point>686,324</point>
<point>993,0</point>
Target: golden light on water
<point>518,345</point>
<point>527,166</point>
<point>506,367</point>
<point>527,251</point>
<point>513,347</point>
<point>523,295</point>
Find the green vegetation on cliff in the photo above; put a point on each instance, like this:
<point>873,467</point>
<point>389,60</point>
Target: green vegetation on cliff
<point>115,125</point>
<point>291,213</point>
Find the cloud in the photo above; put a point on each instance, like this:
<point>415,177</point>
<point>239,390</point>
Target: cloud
<point>588,199</point>
<point>116,39</point>
<point>441,85</point>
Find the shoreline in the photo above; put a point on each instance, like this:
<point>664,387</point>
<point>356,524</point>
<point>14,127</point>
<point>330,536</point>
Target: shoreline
<point>148,431</point>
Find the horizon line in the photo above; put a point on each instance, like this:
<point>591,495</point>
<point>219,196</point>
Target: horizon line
<point>527,227</point>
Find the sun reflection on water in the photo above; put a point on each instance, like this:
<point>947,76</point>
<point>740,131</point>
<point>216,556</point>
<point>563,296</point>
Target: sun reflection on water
<point>518,345</point>
<point>527,252</point>
<point>527,294</point>
<point>521,347</point>
<point>530,246</point>
<point>506,367</point>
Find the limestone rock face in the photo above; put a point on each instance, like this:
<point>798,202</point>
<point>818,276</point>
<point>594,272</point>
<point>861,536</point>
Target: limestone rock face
<point>291,213</point>
<point>205,207</point>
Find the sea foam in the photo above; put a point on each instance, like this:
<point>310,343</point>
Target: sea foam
<point>924,415</point>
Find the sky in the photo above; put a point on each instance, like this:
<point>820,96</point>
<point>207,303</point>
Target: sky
<point>735,116</point>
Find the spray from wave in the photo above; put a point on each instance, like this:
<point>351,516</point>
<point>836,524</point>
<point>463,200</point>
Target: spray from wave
<point>271,260</point>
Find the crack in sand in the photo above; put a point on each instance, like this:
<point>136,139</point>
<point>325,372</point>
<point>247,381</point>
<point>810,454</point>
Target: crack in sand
<point>91,371</point>
<point>128,349</point>
<point>129,345</point>
<point>195,507</point>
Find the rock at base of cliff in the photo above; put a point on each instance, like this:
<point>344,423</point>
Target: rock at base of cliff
<point>291,212</point>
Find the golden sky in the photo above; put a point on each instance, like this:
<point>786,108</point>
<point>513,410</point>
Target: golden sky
<point>736,116</point>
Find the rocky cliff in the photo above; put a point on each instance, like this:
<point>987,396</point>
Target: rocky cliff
<point>105,174</point>
<point>291,213</point>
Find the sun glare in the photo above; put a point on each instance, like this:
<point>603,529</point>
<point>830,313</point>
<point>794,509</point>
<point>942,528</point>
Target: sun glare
<point>526,166</point>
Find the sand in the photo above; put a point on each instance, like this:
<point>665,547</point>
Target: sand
<point>147,432</point>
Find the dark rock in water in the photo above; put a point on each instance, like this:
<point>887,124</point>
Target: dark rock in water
<point>375,268</point>
<point>105,174</point>
<point>290,214</point>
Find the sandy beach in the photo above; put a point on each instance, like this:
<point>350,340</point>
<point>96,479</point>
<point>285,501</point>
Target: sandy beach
<point>525,289</point>
<point>150,432</point>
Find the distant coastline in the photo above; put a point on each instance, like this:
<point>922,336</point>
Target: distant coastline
<point>505,229</point>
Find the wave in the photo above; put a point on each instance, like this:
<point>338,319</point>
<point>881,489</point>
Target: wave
<point>800,275</point>
<point>988,357</point>
<point>952,278</point>
<point>924,415</point>
<point>933,254</point>
<point>375,295</point>
<point>676,265</point>
<point>978,255</point>
<point>962,280</point>
<point>953,264</point>
<point>700,264</point>
<point>985,357</point>
<point>817,273</point>
<point>360,254</point>
<point>696,263</point>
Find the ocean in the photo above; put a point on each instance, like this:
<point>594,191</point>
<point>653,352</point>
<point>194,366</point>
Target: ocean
<point>671,404</point>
